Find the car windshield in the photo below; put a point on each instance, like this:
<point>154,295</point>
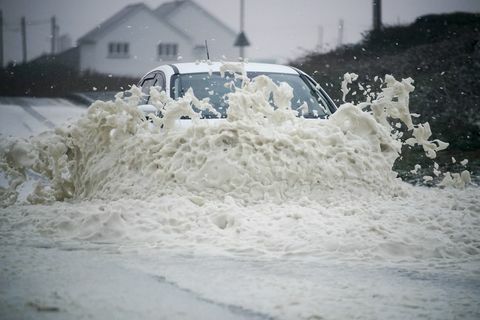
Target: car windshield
<point>213,86</point>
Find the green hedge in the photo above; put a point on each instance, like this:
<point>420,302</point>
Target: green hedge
<point>440,52</point>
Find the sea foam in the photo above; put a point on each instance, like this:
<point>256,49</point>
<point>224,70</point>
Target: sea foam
<point>261,181</point>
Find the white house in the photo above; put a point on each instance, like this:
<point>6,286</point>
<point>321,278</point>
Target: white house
<point>138,38</point>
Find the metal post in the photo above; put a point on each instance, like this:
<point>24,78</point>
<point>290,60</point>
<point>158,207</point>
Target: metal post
<point>24,39</point>
<point>320,39</point>
<point>242,14</point>
<point>377,14</point>
<point>53,34</point>
<point>1,39</point>
<point>242,25</point>
<point>340,32</point>
<point>241,41</point>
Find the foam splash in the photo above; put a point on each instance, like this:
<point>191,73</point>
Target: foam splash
<point>262,180</point>
<point>258,152</point>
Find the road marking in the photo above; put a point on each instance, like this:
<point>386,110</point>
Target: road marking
<point>24,104</point>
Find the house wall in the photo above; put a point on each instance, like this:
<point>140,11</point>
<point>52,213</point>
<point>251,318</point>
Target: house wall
<point>200,26</point>
<point>143,32</point>
<point>87,56</point>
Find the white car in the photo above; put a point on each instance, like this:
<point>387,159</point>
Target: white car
<point>206,81</point>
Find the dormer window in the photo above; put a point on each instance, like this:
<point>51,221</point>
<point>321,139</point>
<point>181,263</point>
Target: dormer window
<point>118,50</point>
<point>167,50</point>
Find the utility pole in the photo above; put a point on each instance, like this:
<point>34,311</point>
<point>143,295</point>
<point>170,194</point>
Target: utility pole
<point>1,39</point>
<point>377,15</point>
<point>320,39</point>
<point>53,34</point>
<point>242,40</point>
<point>340,33</point>
<point>58,48</point>
<point>24,39</point>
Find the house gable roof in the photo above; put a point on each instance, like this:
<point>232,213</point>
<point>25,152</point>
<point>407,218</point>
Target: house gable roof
<point>168,8</point>
<point>119,17</point>
<point>111,22</point>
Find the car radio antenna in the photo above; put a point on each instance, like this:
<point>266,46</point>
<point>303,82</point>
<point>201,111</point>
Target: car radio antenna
<point>206,48</point>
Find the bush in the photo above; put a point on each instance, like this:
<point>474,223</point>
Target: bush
<point>49,78</point>
<point>440,52</point>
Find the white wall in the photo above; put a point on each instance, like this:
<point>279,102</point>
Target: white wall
<point>143,32</point>
<point>87,56</point>
<point>201,27</point>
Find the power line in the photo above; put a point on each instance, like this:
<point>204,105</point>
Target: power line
<point>22,28</point>
<point>15,26</point>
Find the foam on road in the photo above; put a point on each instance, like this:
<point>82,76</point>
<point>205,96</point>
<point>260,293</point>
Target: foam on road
<point>25,117</point>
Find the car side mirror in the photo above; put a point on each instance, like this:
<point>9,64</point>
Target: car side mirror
<point>147,110</point>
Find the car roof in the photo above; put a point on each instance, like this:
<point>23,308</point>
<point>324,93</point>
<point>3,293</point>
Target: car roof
<point>207,66</point>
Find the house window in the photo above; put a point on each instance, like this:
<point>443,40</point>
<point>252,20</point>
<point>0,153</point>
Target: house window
<point>118,50</point>
<point>167,50</point>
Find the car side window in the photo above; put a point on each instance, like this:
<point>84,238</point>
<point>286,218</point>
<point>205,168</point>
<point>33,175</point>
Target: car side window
<point>322,99</point>
<point>160,80</point>
<point>147,82</point>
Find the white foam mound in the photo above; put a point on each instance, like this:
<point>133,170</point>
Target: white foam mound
<point>259,152</point>
<point>263,180</point>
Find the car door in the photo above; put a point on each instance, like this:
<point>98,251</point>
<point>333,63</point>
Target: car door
<point>154,79</point>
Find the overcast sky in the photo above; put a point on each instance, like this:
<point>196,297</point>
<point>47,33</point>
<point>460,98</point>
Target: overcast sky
<point>277,29</point>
